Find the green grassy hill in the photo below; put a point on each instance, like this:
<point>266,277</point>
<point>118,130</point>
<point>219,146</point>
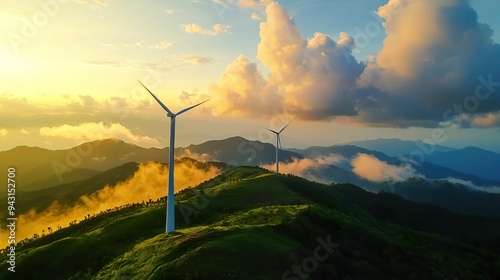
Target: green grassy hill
<point>248,223</point>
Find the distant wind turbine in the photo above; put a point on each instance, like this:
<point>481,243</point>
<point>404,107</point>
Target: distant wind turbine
<point>170,227</point>
<point>278,145</point>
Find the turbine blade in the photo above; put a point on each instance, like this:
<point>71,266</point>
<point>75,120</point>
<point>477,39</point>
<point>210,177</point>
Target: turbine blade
<point>285,126</point>
<point>189,108</point>
<point>158,100</point>
<point>272,131</point>
<point>279,142</point>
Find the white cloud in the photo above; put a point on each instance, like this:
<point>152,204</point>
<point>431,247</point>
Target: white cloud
<point>68,106</point>
<point>486,120</point>
<point>203,157</point>
<point>159,46</point>
<point>472,186</point>
<point>14,104</point>
<point>242,90</point>
<point>304,167</point>
<point>194,59</point>
<point>254,16</point>
<point>217,29</point>
<point>246,4</point>
<point>371,168</point>
<point>94,131</point>
<point>192,97</point>
<point>141,44</point>
<point>310,79</point>
<point>169,12</point>
<point>131,64</point>
<point>431,66</point>
<point>73,109</point>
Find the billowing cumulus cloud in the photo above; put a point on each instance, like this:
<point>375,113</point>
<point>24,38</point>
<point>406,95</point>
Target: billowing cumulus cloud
<point>313,75</point>
<point>242,89</point>
<point>428,73</point>
<point>94,131</point>
<point>371,168</point>
<point>439,68</point>
<point>311,79</point>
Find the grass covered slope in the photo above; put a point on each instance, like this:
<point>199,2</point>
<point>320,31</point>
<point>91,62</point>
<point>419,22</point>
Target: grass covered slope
<point>248,223</point>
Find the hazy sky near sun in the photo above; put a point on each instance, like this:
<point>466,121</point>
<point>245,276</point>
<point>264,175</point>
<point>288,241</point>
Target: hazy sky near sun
<point>340,70</point>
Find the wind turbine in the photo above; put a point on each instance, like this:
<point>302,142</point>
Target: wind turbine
<point>278,144</point>
<point>170,227</point>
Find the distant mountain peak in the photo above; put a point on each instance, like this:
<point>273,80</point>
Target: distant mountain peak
<point>110,140</point>
<point>396,147</point>
<point>26,148</point>
<point>476,149</point>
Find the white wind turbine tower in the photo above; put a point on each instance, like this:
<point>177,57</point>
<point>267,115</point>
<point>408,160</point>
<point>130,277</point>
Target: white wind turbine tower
<point>170,227</point>
<point>278,144</point>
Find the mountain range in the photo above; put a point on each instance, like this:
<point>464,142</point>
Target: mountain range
<point>395,147</point>
<point>58,170</point>
<point>42,168</point>
<point>469,160</point>
<point>472,160</point>
<point>426,169</point>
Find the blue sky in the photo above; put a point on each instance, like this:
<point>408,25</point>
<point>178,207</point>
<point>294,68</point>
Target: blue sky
<point>71,67</point>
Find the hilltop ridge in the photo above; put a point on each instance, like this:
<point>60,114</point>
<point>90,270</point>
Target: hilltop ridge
<point>248,223</point>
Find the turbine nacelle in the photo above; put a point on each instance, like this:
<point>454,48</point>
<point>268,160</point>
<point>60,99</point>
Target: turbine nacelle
<point>278,133</point>
<point>278,144</point>
<point>170,114</point>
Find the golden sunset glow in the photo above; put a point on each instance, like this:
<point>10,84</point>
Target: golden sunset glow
<point>69,67</point>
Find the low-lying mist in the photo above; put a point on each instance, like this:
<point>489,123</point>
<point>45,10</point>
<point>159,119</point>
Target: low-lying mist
<point>371,168</point>
<point>305,167</point>
<point>148,182</point>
